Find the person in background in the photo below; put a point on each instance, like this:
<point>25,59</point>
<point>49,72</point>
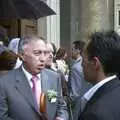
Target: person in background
<point>7,61</point>
<point>61,56</point>
<point>54,50</point>
<point>101,65</point>
<point>3,36</point>
<point>51,52</point>
<point>77,85</point>
<point>21,89</point>
<point>13,46</point>
<point>51,65</point>
<point>3,48</point>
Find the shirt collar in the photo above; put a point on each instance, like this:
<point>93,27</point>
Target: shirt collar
<point>79,59</point>
<point>88,95</point>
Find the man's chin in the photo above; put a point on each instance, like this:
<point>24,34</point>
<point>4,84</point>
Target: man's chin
<point>40,69</point>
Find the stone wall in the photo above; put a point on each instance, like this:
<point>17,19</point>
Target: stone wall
<point>81,17</point>
<point>95,15</point>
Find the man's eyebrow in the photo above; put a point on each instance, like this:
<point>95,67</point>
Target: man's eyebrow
<point>39,51</point>
<point>36,51</point>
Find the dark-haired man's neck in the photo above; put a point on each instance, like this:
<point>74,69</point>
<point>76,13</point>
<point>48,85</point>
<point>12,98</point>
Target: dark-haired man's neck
<point>100,77</point>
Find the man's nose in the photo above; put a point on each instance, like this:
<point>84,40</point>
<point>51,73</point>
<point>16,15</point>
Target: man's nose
<point>42,57</point>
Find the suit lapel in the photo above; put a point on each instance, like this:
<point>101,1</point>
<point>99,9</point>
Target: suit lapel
<point>44,81</point>
<point>106,88</point>
<point>24,88</point>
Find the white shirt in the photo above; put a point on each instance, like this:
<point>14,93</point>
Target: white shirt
<point>88,95</point>
<point>18,63</point>
<point>92,91</point>
<point>38,84</point>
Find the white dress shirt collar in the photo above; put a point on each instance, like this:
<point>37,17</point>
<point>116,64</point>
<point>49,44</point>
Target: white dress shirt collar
<point>28,75</point>
<point>79,58</point>
<point>88,95</point>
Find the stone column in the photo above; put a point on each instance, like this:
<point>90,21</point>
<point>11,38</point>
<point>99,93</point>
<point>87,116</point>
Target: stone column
<point>95,15</point>
<point>117,16</point>
<point>53,23</point>
<point>65,22</point>
<point>42,27</point>
<point>49,27</point>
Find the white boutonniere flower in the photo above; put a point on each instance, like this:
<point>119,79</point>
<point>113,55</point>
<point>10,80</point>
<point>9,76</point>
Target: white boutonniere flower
<point>52,95</point>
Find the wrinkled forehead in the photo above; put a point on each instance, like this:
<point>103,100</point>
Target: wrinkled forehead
<point>37,44</point>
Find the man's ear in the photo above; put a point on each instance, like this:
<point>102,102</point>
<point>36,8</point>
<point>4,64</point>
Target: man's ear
<point>96,62</point>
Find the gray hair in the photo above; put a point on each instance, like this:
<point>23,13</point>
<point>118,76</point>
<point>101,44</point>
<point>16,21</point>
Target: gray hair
<point>26,40</point>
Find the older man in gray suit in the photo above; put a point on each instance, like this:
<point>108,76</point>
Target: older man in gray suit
<point>21,89</point>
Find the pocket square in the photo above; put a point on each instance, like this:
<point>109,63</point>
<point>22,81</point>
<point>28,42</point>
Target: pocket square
<point>43,106</point>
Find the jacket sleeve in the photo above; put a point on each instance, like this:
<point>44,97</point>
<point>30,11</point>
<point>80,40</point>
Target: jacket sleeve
<point>75,82</point>
<point>4,115</point>
<point>62,110</point>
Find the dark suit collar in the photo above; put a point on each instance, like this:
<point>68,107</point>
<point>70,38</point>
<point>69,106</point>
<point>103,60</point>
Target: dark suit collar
<point>23,87</point>
<point>91,91</point>
<point>106,88</point>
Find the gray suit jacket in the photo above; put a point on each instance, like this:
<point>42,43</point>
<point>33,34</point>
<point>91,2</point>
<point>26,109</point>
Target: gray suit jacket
<point>17,101</point>
<point>76,84</point>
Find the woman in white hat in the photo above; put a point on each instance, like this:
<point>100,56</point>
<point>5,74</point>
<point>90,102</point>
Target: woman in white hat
<point>13,45</point>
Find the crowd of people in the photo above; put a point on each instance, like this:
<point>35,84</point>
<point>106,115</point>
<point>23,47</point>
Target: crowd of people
<point>38,83</point>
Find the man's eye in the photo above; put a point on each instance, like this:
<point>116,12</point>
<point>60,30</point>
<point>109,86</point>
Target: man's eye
<point>46,52</point>
<point>38,53</point>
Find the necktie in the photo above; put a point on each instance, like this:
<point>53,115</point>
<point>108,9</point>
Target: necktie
<point>40,97</point>
<point>34,82</point>
<point>36,88</point>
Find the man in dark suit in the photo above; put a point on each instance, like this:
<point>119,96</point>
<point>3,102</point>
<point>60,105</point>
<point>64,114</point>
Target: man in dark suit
<point>21,89</point>
<point>101,65</point>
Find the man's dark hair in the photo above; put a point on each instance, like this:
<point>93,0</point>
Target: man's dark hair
<point>105,46</point>
<point>79,45</point>
<point>8,60</point>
